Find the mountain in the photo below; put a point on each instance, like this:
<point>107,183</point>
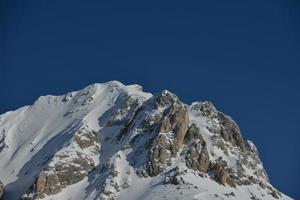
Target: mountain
<point>111,141</point>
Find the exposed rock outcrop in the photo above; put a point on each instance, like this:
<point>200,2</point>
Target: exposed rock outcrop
<point>172,127</point>
<point>224,125</point>
<point>55,177</point>
<point>221,173</point>
<point>143,135</point>
<point>174,176</point>
<point>227,136</point>
<point>230,131</point>
<point>118,176</point>
<point>1,190</point>
<point>2,140</point>
<point>125,113</point>
<point>68,166</point>
<point>206,109</point>
<point>197,156</point>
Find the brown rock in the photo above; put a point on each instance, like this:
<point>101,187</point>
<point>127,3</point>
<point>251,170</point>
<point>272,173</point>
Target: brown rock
<point>86,138</point>
<point>206,108</point>
<point>230,131</point>
<point>53,179</point>
<point>125,113</point>
<point>197,156</point>
<point>172,127</point>
<point>1,189</point>
<point>221,174</point>
<point>46,184</point>
<point>52,185</point>
<point>41,183</point>
<point>158,155</point>
<point>68,166</point>
<point>275,194</point>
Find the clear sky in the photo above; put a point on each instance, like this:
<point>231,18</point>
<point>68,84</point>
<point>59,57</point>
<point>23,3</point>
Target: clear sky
<point>244,56</point>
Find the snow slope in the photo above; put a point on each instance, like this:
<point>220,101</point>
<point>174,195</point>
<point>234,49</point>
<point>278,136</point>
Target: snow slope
<point>56,134</point>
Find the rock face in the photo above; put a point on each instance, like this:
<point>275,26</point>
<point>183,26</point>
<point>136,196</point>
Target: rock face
<point>125,113</point>
<point>110,141</point>
<point>230,131</point>
<point>221,173</point>
<point>197,156</point>
<point>172,126</point>
<point>68,166</point>
<point>1,189</point>
<point>225,135</point>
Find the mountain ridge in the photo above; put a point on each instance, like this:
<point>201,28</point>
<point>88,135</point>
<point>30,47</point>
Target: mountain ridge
<point>111,141</point>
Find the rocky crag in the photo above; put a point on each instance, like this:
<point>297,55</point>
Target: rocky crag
<point>111,141</point>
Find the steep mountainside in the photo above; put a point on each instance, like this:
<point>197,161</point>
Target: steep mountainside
<point>111,141</point>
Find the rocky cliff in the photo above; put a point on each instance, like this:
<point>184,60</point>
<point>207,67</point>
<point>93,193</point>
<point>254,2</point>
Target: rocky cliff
<point>111,141</point>
<point>1,189</point>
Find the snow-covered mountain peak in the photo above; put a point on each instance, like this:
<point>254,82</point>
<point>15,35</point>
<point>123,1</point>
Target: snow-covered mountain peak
<point>112,141</point>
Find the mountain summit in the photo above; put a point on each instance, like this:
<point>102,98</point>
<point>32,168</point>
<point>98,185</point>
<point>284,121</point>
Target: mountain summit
<point>111,141</point>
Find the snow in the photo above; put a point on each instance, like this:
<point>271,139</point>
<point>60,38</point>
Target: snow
<point>71,192</point>
<point>35,132</point>
<point>196,188</point>
<point>32,134</point>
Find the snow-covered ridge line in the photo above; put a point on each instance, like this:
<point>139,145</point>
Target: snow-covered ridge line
<point>111,141</point>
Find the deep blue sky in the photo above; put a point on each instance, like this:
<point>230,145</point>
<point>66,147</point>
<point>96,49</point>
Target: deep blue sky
<point>242,55</point>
